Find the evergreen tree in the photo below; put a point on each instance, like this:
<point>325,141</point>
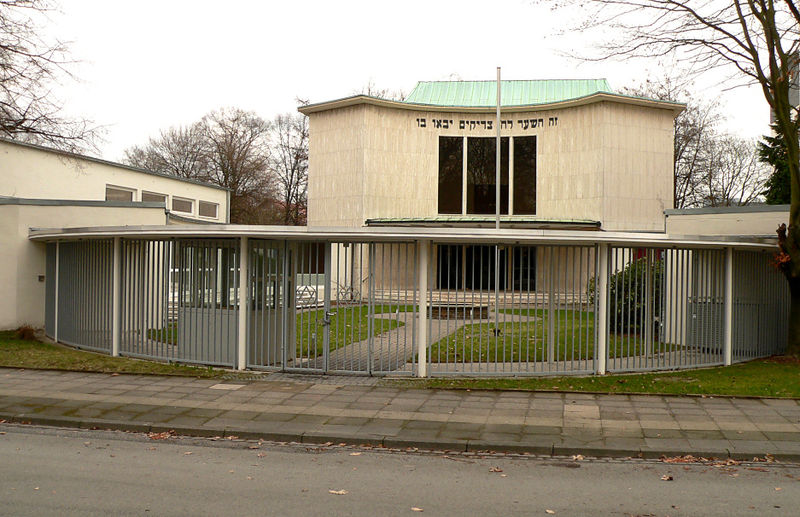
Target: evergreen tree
<point>772,150</point>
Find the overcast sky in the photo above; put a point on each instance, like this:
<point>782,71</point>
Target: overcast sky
<point>151,64</point>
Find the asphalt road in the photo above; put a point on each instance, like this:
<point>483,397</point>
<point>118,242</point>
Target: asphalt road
<point>47,471</point>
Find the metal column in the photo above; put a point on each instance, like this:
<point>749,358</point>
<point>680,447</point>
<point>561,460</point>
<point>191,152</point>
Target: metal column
<point>601,318</point>
<point>728,308</point>
<point>116,300</point>
<point>244,309</point>
<point>423,253</point>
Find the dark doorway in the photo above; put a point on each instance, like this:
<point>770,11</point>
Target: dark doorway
<point>480,267</point>
<point>448,271</point>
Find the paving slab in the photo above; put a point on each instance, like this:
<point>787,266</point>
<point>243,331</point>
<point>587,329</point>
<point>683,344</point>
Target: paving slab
<point>318,409</point>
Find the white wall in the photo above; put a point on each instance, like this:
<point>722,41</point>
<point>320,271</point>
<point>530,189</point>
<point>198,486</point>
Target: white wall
<point>38,173</point>
<point>23,261</point>
<point>605,161</point>
<point>753,220</point>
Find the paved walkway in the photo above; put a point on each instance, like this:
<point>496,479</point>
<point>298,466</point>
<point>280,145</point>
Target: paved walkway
<point>300,410</point>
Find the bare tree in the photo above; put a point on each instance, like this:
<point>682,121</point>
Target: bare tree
<point>735,175</point>
<point>758,41</point>
<point>372,90</point>
<point>227,147</point>
<point>238,158</point>
<point>289,164</point>
<point>30,69</point>
<point>180,151</point>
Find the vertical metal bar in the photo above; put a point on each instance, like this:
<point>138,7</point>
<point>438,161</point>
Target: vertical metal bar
<point>57,279</point>
<point>327,306</point>
<point>423,251</point>
<point>244,308</point>
<point>371,304</point>
<point>115,298</point>
<point>600,319</point>
<point>551,313</point>
<point>728,304</point>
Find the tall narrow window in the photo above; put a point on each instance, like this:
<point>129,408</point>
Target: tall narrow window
<point>451,159</point>
<point>481,181</point>
<point>525,175</point>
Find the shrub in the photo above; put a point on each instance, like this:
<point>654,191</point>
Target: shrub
<point>627,295</point>
<point>25,332</point>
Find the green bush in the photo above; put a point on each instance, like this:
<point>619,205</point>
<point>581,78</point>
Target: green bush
<point>628,292</point>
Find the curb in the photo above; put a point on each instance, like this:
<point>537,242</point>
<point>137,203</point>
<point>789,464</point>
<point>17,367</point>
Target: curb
<point>432,444</point>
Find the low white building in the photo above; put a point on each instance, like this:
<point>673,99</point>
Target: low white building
<point>47,188</point>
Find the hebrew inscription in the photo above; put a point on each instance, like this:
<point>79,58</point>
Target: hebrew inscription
<point>488,125</point>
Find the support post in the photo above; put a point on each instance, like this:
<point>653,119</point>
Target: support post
<point>116,295</point>
<point>727,345</point>
<point>601,318</point>
<point>423,253</point>
<point>55,306</point>
<point>552,314</point>
<point>244,306</point>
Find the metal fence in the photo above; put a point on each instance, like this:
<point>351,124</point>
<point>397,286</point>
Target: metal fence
<point>416,307</point>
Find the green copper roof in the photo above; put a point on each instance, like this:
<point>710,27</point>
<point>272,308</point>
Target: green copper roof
<point>513,93</point>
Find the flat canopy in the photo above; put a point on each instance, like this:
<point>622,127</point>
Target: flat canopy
<point>486,221</point>
<point>402,234</point>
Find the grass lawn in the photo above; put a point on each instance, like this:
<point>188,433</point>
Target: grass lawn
<point>20,353</point>
<point>772,377</point>
<point>527,341</point>
<point>349,325</point>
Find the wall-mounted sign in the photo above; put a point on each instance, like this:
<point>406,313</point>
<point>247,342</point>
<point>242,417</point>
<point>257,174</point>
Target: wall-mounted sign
<point>472,125</point>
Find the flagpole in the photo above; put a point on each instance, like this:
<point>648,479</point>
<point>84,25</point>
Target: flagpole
<point>497,214</point>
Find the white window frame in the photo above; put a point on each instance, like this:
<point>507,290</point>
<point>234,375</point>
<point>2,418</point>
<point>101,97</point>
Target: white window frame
<point>190,201</point>
<point>216,209</point>
<point>165,196</point>
<point>133,192</point>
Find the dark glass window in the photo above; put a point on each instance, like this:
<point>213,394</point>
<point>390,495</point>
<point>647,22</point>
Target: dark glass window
<point>525,175</point>
<point>451,159</point>
<point>481,161</point>
<point>480,267</point>
<point>449,267</point>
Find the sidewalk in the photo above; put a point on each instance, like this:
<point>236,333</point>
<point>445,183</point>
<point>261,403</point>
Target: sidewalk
<point>298,409</point>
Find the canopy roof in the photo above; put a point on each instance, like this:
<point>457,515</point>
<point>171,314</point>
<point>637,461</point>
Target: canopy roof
<point>512,93</point>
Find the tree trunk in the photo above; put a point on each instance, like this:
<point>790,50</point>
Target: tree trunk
<point>793,341</point>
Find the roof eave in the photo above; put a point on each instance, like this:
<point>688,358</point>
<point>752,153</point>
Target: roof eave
<point>356,100</point>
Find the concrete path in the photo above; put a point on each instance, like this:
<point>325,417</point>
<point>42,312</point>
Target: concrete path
<point>393,350</point>
<point>292,409</point>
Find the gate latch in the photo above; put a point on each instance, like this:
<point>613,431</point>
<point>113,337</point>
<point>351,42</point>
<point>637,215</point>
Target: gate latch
<point>326,321</point>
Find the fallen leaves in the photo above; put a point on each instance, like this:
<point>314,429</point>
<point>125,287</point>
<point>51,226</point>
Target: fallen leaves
<point>666,477</point>
<point>495,469</point>
<point>161,436</point>
<point>338,492</point>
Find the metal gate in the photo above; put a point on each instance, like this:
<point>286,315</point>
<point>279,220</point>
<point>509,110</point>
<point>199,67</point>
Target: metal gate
<point>354,308</point>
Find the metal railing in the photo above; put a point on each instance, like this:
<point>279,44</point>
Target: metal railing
<point>417,306</point>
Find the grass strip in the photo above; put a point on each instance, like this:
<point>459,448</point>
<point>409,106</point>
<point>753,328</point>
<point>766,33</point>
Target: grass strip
<point>524,341</point>
<point>22,353</point>
<point>771,377</point>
